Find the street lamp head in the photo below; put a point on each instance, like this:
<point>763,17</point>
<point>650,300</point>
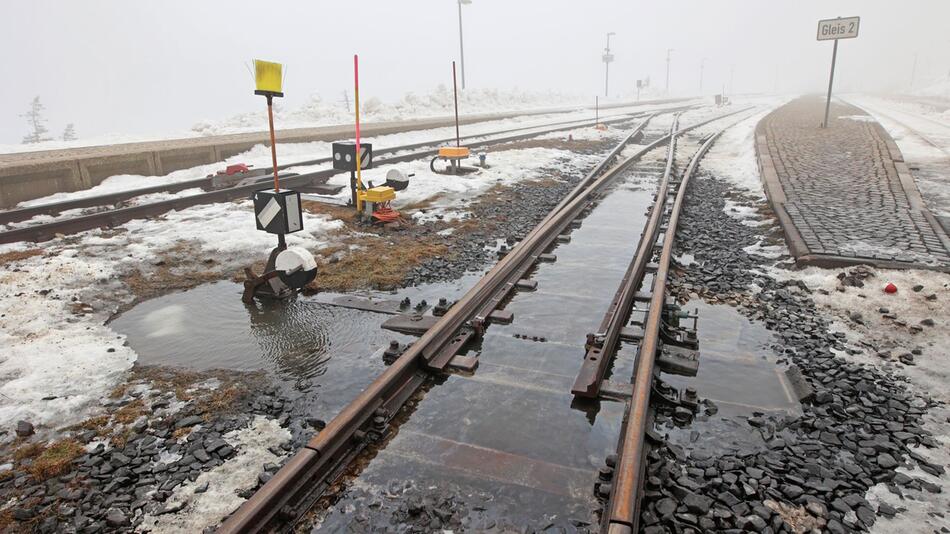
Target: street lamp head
<point>611,33</point>
<point>465,2</point>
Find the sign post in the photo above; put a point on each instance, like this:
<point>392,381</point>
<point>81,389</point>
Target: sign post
<point>836,29</point>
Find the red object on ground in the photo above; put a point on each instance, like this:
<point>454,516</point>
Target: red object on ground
<point>236,168</point>
<point>890,288</point>
<point>386,214</point>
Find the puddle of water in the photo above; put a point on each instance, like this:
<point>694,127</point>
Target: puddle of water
<point>307,345</point>
<point>739,372</point>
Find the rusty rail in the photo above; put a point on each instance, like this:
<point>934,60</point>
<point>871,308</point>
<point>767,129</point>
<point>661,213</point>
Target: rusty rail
<point>622,511</point>
<point>50,230</point>
<point>324,457</point>
<point>317,461</point>
<point>53,208</point>
<point>602,345</point>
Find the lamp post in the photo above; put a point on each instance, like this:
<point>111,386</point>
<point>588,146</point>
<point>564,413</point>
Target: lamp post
<point>608,57</point>
<point>461,46</point>
<point>668,51</point>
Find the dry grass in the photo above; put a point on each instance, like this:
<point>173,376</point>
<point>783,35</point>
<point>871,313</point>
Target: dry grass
<point>19,255</point>
<point>220,400</point>
<point>56,459</point>
<point>130,412</point>
<point>29,450</point>
<point>379,264</point>
<point>180,433</point>
<point>177,269</point>
<point>120,439</point>
<point>97,423</point>
<point>343,213</point>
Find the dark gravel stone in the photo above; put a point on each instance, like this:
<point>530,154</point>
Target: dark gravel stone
<point>24,429</point>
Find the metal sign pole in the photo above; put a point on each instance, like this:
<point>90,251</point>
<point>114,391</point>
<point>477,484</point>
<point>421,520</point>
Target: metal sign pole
<point>358,155</point>
<point>831,81</point>
<point>455,92</point>
<point>273,141</point>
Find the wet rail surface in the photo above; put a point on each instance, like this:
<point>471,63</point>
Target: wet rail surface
<point>510,427</point>
<point>309,472</point>
<point>543,448</point>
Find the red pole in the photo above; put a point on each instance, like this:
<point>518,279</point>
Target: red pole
<point>356,84</point>
<point>455,89</point>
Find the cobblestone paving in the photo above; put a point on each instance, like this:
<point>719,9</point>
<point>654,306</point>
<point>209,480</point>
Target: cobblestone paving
<point>843,192</point>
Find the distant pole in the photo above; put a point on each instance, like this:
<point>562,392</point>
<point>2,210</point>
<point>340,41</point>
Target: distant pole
<point>596,110</point>
<point>455,90</point>
<point>732,74</point>
<point>461,46</point>
<point>702,63</point>
<point>607,59</point>
<point>831,81</point>
<point>668,50</point>
<point>913,71</point>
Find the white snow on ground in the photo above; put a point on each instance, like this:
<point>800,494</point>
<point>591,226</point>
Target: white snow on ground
<point>223,482</point>
<point>930,376</point>
<point>914,127</point>
<point>318,111</point>
<point>732,157</point>
<point>51,351</point>
<point>321,112</point>
<point>47,351</point>
<point>504,167</point>
<point>289,153</point>
<point>920,509</point>
<point>939,88</point>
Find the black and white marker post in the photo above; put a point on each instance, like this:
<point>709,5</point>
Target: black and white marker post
<point>836,29</point>
<point>277,211</point>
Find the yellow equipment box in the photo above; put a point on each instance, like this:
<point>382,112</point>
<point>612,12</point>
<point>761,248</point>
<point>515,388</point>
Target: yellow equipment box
<point>453,152</point>
<point>378,194</point>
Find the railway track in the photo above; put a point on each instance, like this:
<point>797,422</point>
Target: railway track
<point>367,419</point>
<point>113,217</point>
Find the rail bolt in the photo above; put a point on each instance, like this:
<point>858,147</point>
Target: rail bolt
<point>611,460</point>
<point>682,415</point>
<point>603,492</point>
<point>605,473</point>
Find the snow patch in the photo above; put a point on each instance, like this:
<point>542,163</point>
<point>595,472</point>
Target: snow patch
<point>224,481</point>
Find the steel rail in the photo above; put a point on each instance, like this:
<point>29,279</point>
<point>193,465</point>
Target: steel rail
<point>310,468</point>
<point>46,231</point>
<point>53,208</point>
<point>624,503</point>
<point>315,459</point>
<point>602,345</point>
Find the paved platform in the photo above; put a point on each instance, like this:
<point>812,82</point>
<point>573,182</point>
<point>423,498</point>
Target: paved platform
<point>843,194</point>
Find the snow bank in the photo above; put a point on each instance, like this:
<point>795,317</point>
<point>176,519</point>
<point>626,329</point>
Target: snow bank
<point>253,445</point>
<point>53,364</point>
<point>320,112</point>
<point>57,358</point>
<point>732,157</point>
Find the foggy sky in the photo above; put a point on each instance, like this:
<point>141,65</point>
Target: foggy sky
<point>135,66</point>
